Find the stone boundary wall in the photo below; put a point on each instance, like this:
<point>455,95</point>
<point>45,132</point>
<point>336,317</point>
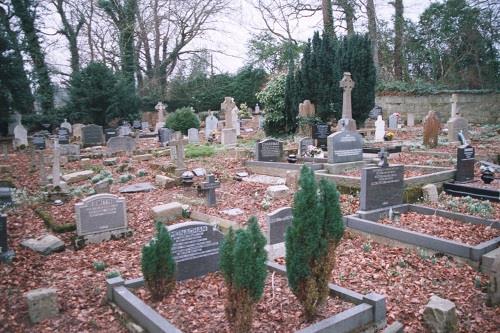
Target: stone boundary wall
<point>478,108</point>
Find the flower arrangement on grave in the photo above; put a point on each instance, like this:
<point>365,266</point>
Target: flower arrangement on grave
<point>243,264</point>
<point>388,136</point>
<point>314,152</point>
<point>158,265</point>
<point>311,241</point>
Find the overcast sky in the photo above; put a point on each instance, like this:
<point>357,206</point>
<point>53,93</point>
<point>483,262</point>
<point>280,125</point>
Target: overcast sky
<point>236,27</point>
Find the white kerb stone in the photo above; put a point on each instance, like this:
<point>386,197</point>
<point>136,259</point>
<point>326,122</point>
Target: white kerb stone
<point>167,212</point>
<point>277,191</point>
<point>164,182</point>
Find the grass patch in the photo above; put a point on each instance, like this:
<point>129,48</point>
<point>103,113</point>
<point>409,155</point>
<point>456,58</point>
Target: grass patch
<point>50,224</point>
<point>193,151</point>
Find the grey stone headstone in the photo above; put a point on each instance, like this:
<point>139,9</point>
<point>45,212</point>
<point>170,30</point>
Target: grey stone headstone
<point>381,187</point>
<point>4,245</point>
<point>63,135</point>
<point>100,213</point>
<point>165,135</point>
<point>277,223</point>
<point>393,121</point>
<point>120,143</point>
<point>136,124</point>
<point>321,132</point>
<point>70,150</point>
<point>465,163</point>
<point>195,247</point>
<point>345,146</point>
<point>110,133</point>
<point>303,144</point>
<point>92,135</point>
<point>269,150</point>
<point>210,125</point>
<point>193,136</point>
<point>124,130</point>
<point>38,141</point>
<point>145,126</point>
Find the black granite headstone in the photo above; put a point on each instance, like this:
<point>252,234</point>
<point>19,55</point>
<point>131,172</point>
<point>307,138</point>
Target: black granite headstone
<point>195,247</point>
<point>63,136</point>
<point>92,135</point>
<point>5,253</point>
<point>269,150</point>
<point>345,146</point>
<point>381,187</point>
<point>5,195</point>
<point>38,141</point>
<point>321,133</point>
<point>110,133</point>
<point>277,223</point>
<point>465,163</point>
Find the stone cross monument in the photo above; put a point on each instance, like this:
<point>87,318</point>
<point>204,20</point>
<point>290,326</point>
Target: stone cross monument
<point>228,137</point>
<point>56,166</point>
<point>347,84</point>
<point>209,186</point>
<point>179,143</point>
<point>160,108</point>
<point>456,123</point>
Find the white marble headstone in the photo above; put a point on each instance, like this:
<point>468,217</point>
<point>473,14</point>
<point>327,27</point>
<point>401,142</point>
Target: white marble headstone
<point>210,125</point>
<point>379,129</point>
<point>67,125</point>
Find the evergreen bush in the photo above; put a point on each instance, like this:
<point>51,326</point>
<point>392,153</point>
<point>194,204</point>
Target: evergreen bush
<point>158,265</point>
<point>311,241</point>
<point>182,120</point>
<point>243,264</point>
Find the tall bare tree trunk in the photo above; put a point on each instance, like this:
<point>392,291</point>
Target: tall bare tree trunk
<point>348,9</point>
<point>327,9</point>
<point>398,39</point>
<point>372,30</point>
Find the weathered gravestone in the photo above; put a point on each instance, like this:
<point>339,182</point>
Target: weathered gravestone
<point>321,133</point>
<point>165,135</point>
<point>195,247</point>
<point>381,187</point>
<point>100,217</point>
<point>160,120</point>
<point>177,152</point>
<point>228,135</point>
<point>277,222</point>
<point>110,133</point>
<point>210,125</point>
<point>269,150</point>
<point>124,130</point>
<point>304,144</point>
<point>63,136</point>
<point>65,124</point>
<point>346,122</point>
<point>393,121</point>
<point>72,151</point>
<point>5,253</point>
<point>193,136</point>
<point>145,126</point>
<point>136,124</point>
<point>77,131</point>
<point>38,141</point>
<point>345,146</point>
<point>209,186</point>
<point>306,111</point>
<point>465,163</point>
<point>119,144</point>
<point>432,126</point>
<point>92,135</point>
<point>20,136</point>
<point>456,124</point>
<point>410,119</point>
<point>56,165</point>
<point>379,129</point>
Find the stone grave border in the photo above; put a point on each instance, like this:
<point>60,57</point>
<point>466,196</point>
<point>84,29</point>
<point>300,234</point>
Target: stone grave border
<point>462,190</point>
<point>278,169</point>
<point>367,222</point>
<point>369,310</point>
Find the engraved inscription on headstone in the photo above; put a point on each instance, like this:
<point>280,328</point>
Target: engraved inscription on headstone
<point>465,163</point>
<point>195,247</point>
<point>38,141</point>
<point>100,213</point>
<point>321,133</point>
<point>269,150</point>
<point>63,135</point>
<point>303,145</point>
<point>345,146</point>
<point>277,223</point>
<point>381,187</point>
<point>92,135</point>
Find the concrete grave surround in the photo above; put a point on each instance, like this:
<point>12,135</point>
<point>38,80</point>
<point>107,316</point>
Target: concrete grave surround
<point>101,213</point>
<point>92,135</point>
<point>269,150</point>
<point>346,122</point>
<point>277,222</point>
<point>379,129</point>
<point>345,146</point>
<point>210,125</point>
<point>42,304</point>
<point>193,136</point>
<point>195,248</point>
<point>120,144</point>
<point>381,187</point>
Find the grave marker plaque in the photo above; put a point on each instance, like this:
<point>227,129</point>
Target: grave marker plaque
<point>92,135</point>
<point>465,163</point>
<point>100,213</point>
<point>277,223</point>
<point>381,187</point>
<point>345,146</point>
<point>120,143</point>
<point>321,133</point>
<point>269,150</point>
<point>195,247</point>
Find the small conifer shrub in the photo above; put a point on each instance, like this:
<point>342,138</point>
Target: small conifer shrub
<point>158,265</point>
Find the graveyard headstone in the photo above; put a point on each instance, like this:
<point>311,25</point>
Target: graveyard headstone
<point>432,126</point>
<point>195,247</point>
<point>193,136</point>
<point>375,112</point>
<point>63,136</point>
<point>160,122</point>
<point>227,107</point>
<point>5,253</point>
<point>210,125</point>
<point>269,150</point>
<point>92,135</point>
<point>345,146</point>
<point>410,120</point>
<point>393,121</point>
<point>110,133</point>
<point>209,186</point>
<point>38,141</point>
<point>136,124</point>
<point>347,122</point>
<point>321,133</point>
<point>144,126</point>
<point>77,131</point>
<point>120,144</point>
<point>65,124</point>
<point>277,223</point>
<point>124,130</point>
<point>304,144</point>
<point>381,187</point>
<point>101,213</point>
<point>164,135</point>
<point>465,163</point>
<point>379,129</point>
<point>20,136</point>
<point>179,143</point>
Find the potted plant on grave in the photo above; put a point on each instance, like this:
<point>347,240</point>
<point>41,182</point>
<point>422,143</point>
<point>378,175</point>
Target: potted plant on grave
<point>311,241</point>
<point>243,264</point>
<point>158,265</point>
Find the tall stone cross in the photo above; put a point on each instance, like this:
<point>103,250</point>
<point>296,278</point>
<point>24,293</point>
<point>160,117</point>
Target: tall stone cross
<point>347,84</point>
<point>454,109</point>
<point>209,186</point>
<point>178,143</point>
<point>56,166</point>
<point>383,155</point>
<point>160,122</point>
<point>227,106</point>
